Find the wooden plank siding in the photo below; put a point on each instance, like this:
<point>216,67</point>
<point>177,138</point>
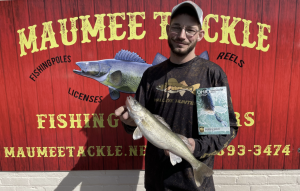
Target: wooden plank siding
<point>265,91</point>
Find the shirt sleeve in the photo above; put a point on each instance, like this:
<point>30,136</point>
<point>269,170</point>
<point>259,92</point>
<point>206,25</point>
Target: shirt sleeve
<point>208,145</point>
<point>140,96</point>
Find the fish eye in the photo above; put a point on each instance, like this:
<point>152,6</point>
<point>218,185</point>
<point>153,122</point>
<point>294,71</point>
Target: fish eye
<point>135,102</point>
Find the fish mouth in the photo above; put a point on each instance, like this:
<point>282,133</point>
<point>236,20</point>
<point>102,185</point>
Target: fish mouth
<point>91,69</point>
<point>132,105</point>
<point>129,103</point>
<point>88,68</point>
<point>80,72</point>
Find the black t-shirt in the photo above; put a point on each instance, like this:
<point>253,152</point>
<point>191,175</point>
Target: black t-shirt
<point>168,90</point>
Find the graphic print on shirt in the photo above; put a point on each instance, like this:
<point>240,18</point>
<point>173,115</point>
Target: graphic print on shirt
<point>172,86</point>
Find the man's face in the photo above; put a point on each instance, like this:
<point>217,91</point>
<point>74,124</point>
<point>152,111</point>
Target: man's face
<point>180,43</point>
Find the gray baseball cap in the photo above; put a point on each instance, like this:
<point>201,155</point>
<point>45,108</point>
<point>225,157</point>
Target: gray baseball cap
<point>193,5</point>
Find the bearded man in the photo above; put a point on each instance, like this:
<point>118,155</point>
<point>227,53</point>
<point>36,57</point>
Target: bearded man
<point>179,108</point>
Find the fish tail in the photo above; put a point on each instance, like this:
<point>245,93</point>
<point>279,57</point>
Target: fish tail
<point>200,172</point>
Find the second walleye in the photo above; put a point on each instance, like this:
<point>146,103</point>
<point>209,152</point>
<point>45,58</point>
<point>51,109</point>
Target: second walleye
<point>172,86</point>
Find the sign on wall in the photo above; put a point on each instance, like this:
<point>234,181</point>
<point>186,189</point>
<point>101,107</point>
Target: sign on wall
<point>54,119</point>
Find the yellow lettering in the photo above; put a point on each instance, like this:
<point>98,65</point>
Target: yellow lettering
<point>20,152</point>
<point>100,151</point>
<point>71,149</point>
<point>48,30</point>
<point>40,152</point>
<point>40,120</point>
<point>90,152</point>
<point>61,151</point>
<point>205,27</point>
<point>118,151</point>
<point>262,37</point>
<point>229,30</point>
<point>98,120</point>
<point>237,116</point>
<point>99,27</point>
<point>246,32</point>
<point>133,25</point>
<point>108,152</point>
<point>51,121</point>
<point>80,152</point>
<point>248,118</point>
<point>114,26</point>
<point>142,150</point>
<point>30,153</point>
<point>109,120</point>
<point>64,31</point>
<point>163,23</point>
<point>78,121</point>
<point>133,151</point>
<point>31,40</point>
<point>10,152</point>
<point>86,120</point>
<point>64,123</point>
<point>52,151</point>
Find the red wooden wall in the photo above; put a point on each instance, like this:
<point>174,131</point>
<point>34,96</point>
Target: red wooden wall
<point>264,91</point>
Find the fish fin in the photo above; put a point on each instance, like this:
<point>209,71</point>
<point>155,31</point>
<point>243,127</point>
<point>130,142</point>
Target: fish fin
<point>159,118</point>
<point>182,93</point>
<point>128,56</point>
<point>137,134</point>
<point>114,94</point>
<point>196,86</point>
<point>172,81</point>
<point>158,59</point>
<point>204,55</point>
<point>174,158</point>
<point>201,171</point>
<point>186,141</point>
<point>116,77</point>
<point>168,95</point>
<point>183,83</point>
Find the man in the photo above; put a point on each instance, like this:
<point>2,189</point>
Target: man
<point>161,93</point>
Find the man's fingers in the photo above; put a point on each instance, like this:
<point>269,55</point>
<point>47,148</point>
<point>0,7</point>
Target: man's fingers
<point>125,115</point>
<point>120,110</point>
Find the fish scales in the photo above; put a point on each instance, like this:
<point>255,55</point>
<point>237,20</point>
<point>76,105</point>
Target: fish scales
<point>168,140</point>
<point>130,78</point>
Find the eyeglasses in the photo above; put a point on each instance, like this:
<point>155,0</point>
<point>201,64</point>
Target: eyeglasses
<point>189,32</point>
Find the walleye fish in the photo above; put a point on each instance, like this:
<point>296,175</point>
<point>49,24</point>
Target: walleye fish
<point>158,132</point>
<point>121,74</point>
<point>172,86</point>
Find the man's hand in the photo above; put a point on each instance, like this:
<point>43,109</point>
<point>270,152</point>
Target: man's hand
<point>124,116</point>
<point>192,149</point>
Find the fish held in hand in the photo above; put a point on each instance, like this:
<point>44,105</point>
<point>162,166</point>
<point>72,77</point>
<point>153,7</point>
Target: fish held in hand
<point>158,132</point>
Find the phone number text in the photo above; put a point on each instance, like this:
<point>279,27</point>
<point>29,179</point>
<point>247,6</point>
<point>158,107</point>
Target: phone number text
<point>269,150</point>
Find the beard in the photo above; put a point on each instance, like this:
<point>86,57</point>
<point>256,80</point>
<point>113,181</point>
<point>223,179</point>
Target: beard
<point>179,52</point>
